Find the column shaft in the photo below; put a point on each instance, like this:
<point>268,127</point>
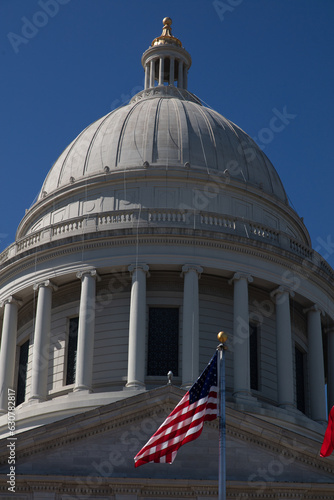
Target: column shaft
<point>147,76</point>
<point>316,365</point>
<point>8,351</point>
<point>40,357</point>
<point>137,327</point>
<point>161,71</point>
<point>190,325</point>
<point>284,348</point>
<point>86,328</point>
<point>241,368</point>
<point>152,63</point>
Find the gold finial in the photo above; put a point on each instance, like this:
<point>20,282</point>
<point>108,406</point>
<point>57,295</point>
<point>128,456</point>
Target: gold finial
<point>166,35</point>
<point>222,337</point>
<point>167,30</point>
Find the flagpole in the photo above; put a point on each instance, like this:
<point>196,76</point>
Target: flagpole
<point>222,337</point>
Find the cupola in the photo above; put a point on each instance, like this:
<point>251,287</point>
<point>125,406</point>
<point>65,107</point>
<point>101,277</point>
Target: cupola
<point>166,62</point>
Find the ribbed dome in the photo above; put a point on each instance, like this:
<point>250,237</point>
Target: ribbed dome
<point>164,127</point>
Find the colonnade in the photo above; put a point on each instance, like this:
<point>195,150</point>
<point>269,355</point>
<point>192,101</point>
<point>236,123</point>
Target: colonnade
<point>190,331</point>
<point>181,72</point>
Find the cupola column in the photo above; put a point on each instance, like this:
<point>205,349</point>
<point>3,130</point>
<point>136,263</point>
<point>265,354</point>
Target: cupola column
<point>180,73</point>
<point>147,76</point>
<point>171,71</point>
<point>190,326</point>
<point>152,63</point>
<point>285,377</point>
<point>41,350</point>
<point>8,350</point>
<point>316,364</point>
<point>241,368</point>
<point>86,329</point>
<point>137,327</point>
<point>330,368</point>
<point>161,70</point>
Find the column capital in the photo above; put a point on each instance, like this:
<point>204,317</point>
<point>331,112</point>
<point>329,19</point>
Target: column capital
<point>192,267</point>
<point>238,276</point>
<point>314,308</point>
<point>281,290</point>
<point>91,272</point>
<point>139,265</point>
<point>11,300</point>
<point>47,284</point>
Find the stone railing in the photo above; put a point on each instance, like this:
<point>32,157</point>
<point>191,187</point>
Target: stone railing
<point>208,219</point>
<point>4,255</point>
<point>27,242</point>
<point>299,248</point>
<point>167,216</point>
<point>160,217</point>
<point>327,268</point>
<point>67,227</point>
<point>264,232</point>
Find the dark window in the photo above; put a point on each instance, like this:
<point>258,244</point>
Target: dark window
<point>254,356</point>
<point>22,376</point>
<point>163,341</point>
<point>300,381</point>
<point>72,350</point>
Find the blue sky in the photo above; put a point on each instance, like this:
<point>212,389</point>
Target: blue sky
<point>66,63</point>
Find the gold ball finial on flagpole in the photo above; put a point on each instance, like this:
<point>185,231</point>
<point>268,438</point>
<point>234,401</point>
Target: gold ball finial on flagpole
<point>222,337</point>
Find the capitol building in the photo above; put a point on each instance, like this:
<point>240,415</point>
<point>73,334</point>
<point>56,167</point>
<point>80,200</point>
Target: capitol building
<point>161,224</point>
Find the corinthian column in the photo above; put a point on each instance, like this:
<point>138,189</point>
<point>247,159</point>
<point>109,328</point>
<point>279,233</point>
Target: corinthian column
<point>40,357</point>
<point>241,369</point>
<point>316,364</point>
<point>8,350</point>
<point>86,329</point>
<point>190,325</point>
<point>284,347</point>
<point>137,327</point>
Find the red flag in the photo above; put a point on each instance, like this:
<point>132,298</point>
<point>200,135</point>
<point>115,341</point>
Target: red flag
<point>186,421</point>
<point>328,444</point>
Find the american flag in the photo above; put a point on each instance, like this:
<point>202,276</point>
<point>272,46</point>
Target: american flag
<point>186,421</point>
<point>328,444</point>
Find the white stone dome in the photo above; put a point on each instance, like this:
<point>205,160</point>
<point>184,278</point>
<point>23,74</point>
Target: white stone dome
<point>169,127</point>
